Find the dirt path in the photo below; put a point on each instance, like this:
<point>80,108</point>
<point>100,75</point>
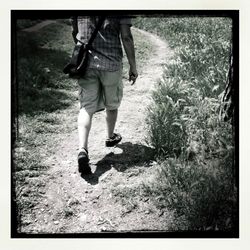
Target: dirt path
<point>103,201</point>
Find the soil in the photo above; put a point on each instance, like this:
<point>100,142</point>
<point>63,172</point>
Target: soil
<point>88,204</point>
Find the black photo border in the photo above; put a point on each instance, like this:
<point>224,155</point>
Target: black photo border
<point>62,14</point>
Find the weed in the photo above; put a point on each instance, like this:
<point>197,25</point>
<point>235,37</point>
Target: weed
<point>197,175</point>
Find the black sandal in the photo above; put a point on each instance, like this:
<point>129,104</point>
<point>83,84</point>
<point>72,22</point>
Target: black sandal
<point>83,162</point>
<point>112,141</point>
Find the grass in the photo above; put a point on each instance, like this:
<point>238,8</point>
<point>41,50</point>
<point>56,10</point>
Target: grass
<point>41,83</point>
<point>26,23</point>
<point>44,93</point>
<point>194,147</point>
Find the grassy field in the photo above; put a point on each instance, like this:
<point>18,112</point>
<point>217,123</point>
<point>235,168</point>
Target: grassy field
<point>195,148</point>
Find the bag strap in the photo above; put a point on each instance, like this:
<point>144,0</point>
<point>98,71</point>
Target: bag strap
<point>97,28</point>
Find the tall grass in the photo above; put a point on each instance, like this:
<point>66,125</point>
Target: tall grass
<point>196,148</point>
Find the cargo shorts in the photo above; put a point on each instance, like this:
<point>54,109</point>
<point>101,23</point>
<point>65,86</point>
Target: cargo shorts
<point>99,90</point>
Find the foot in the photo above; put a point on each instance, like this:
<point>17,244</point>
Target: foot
<point>112,141</point>
<point>83,162</point>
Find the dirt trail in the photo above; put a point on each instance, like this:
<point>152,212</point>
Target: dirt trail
<point>75,204</point>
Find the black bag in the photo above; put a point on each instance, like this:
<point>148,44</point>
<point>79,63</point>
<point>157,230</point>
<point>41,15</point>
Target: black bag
<point>79,60</point>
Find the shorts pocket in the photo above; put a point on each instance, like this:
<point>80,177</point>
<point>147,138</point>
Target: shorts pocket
<point>119,93</point>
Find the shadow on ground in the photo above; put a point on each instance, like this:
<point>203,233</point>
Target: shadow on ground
<point>133,155</point>
<point>40,83</point>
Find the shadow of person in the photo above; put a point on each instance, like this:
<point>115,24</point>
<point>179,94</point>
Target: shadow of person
<point>90,178</point>
<point>131,155</point>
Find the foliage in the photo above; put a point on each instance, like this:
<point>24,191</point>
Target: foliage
<point>26,23</point>
<point>39,63</point>
<point>202,48</point>
<point>196,148</point>
<point>42,89</point>
<point>200,192</point>
<point>167,133</point>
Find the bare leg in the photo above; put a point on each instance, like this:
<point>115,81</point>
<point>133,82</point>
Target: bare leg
<point>111,117</point>
<point>84,126</point>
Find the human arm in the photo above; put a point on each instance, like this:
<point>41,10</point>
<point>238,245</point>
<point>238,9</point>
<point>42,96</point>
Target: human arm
<point>128,44</point>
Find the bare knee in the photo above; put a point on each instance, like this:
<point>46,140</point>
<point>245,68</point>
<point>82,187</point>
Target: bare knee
<point>84,118</point>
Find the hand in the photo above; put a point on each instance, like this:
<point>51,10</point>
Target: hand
<point>133,75</point>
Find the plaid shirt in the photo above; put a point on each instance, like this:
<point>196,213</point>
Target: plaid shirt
<point>107,50</point>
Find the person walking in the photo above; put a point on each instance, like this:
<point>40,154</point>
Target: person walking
<point>101,87</point>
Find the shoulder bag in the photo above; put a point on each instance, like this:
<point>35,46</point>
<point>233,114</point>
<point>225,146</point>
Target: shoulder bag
<point>78,63</point>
